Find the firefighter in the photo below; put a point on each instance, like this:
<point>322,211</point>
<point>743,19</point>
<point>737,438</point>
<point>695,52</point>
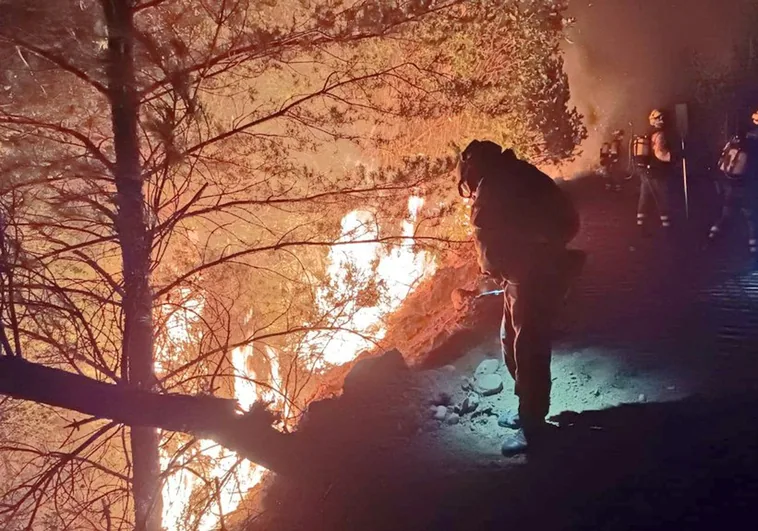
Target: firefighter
<point>738,167</point>
<point>653,159</point>
<point>522,224</point>
<point>610,161</point>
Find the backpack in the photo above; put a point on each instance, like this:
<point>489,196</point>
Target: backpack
<point>641,151</point>
<point>734,158</point>
<point>610,153</point>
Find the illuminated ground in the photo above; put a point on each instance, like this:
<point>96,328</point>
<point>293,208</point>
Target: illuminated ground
<point>658,325</point>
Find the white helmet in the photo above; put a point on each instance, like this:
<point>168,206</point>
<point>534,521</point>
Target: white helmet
<point>755,117</point>
<point>656,118</point>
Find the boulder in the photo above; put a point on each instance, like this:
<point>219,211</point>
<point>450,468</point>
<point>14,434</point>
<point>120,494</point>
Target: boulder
<point>489,366</point>
<point>371,372</point>
<point>453,419</point>
<point>489,384</point>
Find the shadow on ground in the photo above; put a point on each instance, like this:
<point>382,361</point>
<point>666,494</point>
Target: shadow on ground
<point>685,465</point>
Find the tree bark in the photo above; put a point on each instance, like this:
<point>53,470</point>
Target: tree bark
<point>134,237</point>
<point>202,416</point>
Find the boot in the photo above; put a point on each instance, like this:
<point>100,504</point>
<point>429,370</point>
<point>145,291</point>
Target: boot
<point>642,226</point>
<point>713,234</point>
<point>514,443</point>
<point>529,437</point>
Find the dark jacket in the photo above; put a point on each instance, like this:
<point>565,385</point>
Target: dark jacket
<point>520,217</point>
<point>751,146</point>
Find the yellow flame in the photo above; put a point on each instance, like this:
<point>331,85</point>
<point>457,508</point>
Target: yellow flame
<point>399,269</point>
<point>234,476</point>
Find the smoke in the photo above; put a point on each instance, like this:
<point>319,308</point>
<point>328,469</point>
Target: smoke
<point>626,57</point>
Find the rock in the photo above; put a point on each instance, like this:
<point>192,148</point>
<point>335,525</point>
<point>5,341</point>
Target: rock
<point>442,399</point>
<point>453,419</point>
<point>641,398</point>
<point>467,383</point>
<point>449,368</point>
<point>440,413</point>
<point>376,371</point>
<point>489,384</point>
<point>319,412</point>
<point>487,367</point>
<point>469,404</point>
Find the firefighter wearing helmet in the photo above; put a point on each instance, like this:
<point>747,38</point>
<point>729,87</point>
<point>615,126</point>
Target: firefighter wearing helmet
<point>610,161</point>
<point>522,224</point>
<point>653,159</point>
<point>738,167</point>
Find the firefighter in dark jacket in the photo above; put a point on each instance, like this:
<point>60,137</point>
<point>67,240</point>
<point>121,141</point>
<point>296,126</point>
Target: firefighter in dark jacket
<point>653,158</point>
<point>522,223</point>
<point>739,171</point>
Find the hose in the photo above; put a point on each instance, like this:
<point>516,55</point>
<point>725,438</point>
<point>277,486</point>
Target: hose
<point>630,164</point>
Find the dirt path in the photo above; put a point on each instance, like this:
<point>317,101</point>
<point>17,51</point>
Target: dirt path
<point>654,386</point>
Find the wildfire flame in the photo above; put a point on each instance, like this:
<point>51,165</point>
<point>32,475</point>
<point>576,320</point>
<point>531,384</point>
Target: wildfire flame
<point>355,264</point>
<point>399,270</point>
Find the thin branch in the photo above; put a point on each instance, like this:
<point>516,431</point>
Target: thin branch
<point>286,108</point>
<point>283,245</point>
<point>58,61</point>
<point>61,129</point>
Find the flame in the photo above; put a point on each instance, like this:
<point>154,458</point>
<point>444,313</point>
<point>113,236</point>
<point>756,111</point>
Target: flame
<point>245,389</point>
<point>399,269</point>
<point>349,265</point>
<point>233,475</point>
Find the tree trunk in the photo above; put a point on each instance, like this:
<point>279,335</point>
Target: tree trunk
<point>135,241</point>
<point>206,417</point>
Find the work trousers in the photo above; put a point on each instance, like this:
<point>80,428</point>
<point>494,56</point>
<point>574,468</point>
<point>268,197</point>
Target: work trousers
<point>737,197</point>
<point>529,309</point>
<point>614,175</point>
<point>653,196</point>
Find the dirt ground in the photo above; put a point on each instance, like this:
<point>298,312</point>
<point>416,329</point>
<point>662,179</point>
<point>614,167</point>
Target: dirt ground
<point>654,391</point>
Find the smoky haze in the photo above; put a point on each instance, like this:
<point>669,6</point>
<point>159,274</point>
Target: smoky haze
<point>626,57</point>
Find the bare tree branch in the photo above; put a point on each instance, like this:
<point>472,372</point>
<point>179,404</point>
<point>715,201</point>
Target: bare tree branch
<point>58,61</point>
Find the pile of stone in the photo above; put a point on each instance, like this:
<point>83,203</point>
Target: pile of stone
<point>486,382</point>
